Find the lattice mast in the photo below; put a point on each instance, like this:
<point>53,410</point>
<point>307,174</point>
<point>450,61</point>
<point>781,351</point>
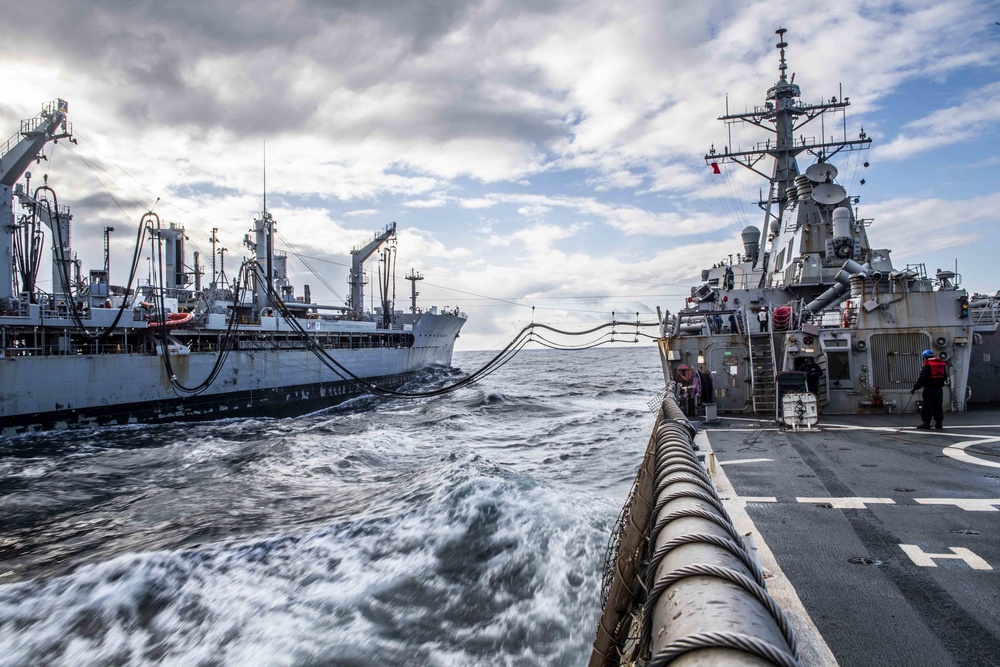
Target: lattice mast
<point>783,115</point>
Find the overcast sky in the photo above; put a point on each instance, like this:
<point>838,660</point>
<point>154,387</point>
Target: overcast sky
<point>540,154</point>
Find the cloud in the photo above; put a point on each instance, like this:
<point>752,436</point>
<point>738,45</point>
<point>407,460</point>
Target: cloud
<point>544,236</point>
<point>434,202</point>
<point>495,92</point>
<point>625,218</point>
<point>677,177</point>
<point>950,223</point>
<point>481,202</point>
<point>616,179</point>
<point>533,210</point>
<point>949,126</point>
<point>579,127</point>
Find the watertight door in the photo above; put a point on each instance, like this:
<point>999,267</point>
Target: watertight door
<point>731,375</point>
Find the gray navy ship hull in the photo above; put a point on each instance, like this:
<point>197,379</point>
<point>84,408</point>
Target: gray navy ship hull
<point>61,391</point>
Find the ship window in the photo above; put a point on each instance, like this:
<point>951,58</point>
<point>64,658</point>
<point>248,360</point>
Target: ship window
<point>790,242</point>
<point>779,262</point>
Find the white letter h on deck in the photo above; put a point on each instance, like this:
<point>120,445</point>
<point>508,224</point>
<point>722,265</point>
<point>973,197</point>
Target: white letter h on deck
<point>922,559</point>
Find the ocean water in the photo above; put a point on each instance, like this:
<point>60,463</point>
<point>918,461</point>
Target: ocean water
<point>468,529</point>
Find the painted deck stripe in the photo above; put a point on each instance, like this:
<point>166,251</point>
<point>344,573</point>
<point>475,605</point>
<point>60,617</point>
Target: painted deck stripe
<point>957,452</point>
<point>735,461</point>
<point>948,430</point>
<point>967,504</point>
<point>847,503</point>
<point>746,429</point>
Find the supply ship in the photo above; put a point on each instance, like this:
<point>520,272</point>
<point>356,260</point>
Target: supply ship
<point>809,302</point>
<point>173,349</point>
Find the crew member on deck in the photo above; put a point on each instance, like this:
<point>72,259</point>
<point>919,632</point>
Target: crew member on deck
<point>813,374</point>
<point>762,317</point>
<point>931,380</point>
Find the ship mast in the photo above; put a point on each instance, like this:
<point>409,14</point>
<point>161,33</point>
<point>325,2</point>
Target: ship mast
<point>107,251</point>
<point>262,245</point>
<point>413,276</point>
<point>783,115</point>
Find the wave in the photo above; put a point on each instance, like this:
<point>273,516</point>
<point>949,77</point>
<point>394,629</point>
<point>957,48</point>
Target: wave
<point>465,529</point>
<point>489,569</point>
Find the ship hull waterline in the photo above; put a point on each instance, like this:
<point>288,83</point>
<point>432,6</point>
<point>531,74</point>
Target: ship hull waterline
<point>68,391</point>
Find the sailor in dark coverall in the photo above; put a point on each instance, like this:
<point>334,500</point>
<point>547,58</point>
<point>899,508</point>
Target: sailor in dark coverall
<point>813,374</point>
<point>931,380</point>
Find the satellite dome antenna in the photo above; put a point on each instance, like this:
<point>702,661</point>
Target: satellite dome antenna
<point>782,66</point>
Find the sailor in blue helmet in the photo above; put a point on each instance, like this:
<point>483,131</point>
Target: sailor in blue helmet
<point>931,380</point>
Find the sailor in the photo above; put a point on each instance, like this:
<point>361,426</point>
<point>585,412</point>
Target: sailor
<point>813,374</point>
<point>762,316</point>
<point>733,326</point>
<point>689,387</point>
<point>730,278</point>
<point>931,380</point>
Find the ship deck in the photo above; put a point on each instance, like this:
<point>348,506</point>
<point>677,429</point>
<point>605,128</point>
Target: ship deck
<point>885,539</point>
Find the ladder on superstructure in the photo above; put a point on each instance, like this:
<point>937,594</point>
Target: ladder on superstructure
<point>762,377</point>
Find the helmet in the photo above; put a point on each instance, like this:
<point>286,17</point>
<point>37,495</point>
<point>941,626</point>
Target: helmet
<point>927,354</point>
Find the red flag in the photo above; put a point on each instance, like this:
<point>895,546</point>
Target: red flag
<point>715,168</point>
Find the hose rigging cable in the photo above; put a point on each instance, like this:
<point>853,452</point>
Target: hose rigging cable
<point>54,214</point>
<point>240,287</point>
<point>251,271</point>
<point>521,339</point>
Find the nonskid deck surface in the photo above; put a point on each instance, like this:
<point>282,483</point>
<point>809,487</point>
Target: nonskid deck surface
<point>890,536</point>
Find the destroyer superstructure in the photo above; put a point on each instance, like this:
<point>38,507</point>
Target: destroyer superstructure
<point>91,353</point>
<point>809,303</point>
